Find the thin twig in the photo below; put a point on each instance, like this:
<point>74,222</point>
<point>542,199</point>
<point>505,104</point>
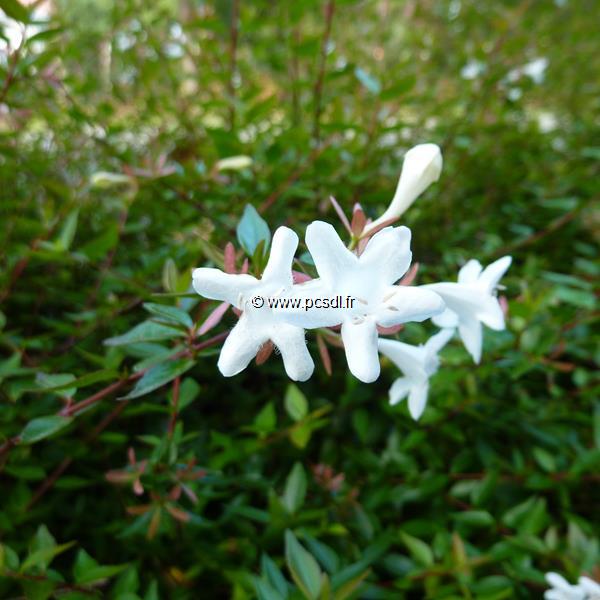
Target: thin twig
<point>318,93</point>
<point>233,44</point>
<point>174,407</point>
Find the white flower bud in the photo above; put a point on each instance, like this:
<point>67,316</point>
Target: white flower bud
<point>422,166</point>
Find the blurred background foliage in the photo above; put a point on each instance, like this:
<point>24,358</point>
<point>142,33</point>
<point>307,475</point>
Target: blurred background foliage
<point>114,117</point>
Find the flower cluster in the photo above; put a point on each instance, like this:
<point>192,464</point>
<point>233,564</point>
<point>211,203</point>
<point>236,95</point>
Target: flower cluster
<point>586,588</point>
<point>371,270</point>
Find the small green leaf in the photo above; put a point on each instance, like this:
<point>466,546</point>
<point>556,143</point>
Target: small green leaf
<point>265,591</point>
<point>148,331</point>
<point>474,518</point>
<point>544,459</point>
<point>303,567</point>
<point>418,549</point>
<point>273,574</point>
<point>295,489</point>
<point>51,383</point>
<point>266,420</point>
<point>55,382</point>
<point>295,402</point>
<point>252,229</point>
<point>170,276</point>
<point>170,313</point>
<point>43,427</point>
<point>67,232</point>
<point>42,557</point>
<point>159,375</point>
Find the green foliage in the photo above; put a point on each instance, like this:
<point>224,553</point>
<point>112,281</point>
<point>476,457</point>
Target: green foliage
<point>137,140</point>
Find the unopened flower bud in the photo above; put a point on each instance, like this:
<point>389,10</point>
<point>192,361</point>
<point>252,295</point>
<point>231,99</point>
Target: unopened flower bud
<point>422,166</point>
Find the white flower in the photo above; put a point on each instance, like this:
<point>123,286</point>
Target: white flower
<point>369,280</point>
<point>472,301</point>
<point>422,166</point>
<point>590,587</point>
<point>586,588</point>
<point>418,363</point>
<point>258,325</point>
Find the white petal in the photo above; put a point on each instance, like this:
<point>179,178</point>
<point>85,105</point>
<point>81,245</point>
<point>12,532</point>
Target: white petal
<point>556,595</point>
<point>332,259</point>
<point>388,252</point>
<point>216,285</point>
<point>417,399</point>
<point>300,314</point>
<point>408,303</point>
<point>558,581</point>
<point>461,299</point>
<point>490,314</point>
<point>296,359</point>
<point>400,389</point>
<point>240,347</point>
<point>360,344</point>
<point>436,342</point>
<point>446,319</point>
<point>422,166</point>
<point>408,358</point>
<point>494,272</point>
<point>470,272</point>
<point>471,334</point>
<point>590,586</point>
<point>283,248</point>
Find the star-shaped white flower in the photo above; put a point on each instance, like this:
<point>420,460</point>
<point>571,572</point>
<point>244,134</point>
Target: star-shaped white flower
<point>369,279</point>
<point>418,363</point>
<point>586,588</point>
<point>257,326</point>
<point>472,301</point>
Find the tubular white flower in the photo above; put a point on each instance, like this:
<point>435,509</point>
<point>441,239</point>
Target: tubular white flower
<point>422,166</point>
<point>472,301</point>
<point>418,363</point>
<point>256,326</point>
<point>369,280</point>
<point>586,588</point>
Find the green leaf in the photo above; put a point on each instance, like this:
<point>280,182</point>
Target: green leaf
<point>9,559</point>
<point>148,331</point>
<point>54,382</point>
<point>596,421</point>
<point>67,232</point>
<point>295,402</point>
<point>544,459</point>
<point>300,435</point>
<point>15,10</point>
<point>303,567</point>
<point>158,376</point>
<point>418,549</point>
<point>170,276</point>
<point>170,313</point>
<point>474,518</point>
<point>42,428</point>
<point>273,574</point>
<point>188,392</point>
<point>44,556</point>
<point>295,489</point>
<point>266,420</point>
<point>252,229</point>
<point>51,383</point>
<point>265,591</point>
